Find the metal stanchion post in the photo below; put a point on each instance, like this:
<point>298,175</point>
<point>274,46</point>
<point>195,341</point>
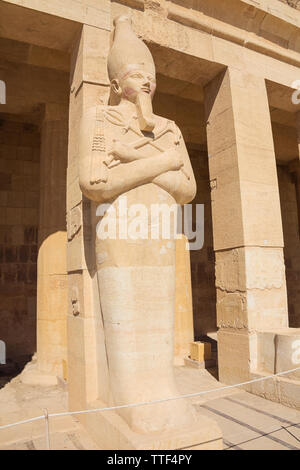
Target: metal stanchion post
<point>47,429</point>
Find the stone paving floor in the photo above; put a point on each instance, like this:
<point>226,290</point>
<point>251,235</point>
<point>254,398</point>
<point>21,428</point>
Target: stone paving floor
<point>248,422</point>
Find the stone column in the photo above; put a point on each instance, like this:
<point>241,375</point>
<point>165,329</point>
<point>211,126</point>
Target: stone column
<point>87,366</point>
<point>247,226</point>
<point>184,324</point>
<point>294,169</point>
<point>52,289</point>
<point>52,271</point>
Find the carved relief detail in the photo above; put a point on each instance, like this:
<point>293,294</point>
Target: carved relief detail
<point>75,301</point>
<point>74,222</point>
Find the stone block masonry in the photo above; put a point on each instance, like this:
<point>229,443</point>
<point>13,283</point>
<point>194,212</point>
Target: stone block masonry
<point>290,221</point>
<point>19,202</point>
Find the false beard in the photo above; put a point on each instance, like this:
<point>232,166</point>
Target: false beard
<point>145,112</point>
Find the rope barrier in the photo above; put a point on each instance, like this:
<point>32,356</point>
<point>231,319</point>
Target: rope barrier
<point>47,415</point>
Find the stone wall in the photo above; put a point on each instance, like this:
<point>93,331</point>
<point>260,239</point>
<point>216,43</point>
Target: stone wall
<point>192,126</point>
<point>19,200</point>
<point>292,3</point>
<point>203,261</point>
<point>291,241</point>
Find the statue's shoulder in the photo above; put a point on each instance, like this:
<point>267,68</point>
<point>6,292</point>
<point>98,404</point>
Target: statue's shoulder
<point>164,123</point>
<point>115,115</point>
<point>109,115</point>
<point>175,126</point>
<point>96,109</point>
<point>106,114</point>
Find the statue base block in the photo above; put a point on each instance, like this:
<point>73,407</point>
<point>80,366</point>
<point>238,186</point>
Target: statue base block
<point>31,375</point>
<point>111,432</point>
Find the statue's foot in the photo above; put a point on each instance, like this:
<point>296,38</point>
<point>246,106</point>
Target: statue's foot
<point>161,417</point>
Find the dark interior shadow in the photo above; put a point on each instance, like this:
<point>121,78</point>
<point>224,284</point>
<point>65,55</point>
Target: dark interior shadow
<point>12,368</point>
<point>211,365</point>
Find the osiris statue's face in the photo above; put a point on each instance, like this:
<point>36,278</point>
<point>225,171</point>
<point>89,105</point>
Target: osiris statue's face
<point>134,82</point>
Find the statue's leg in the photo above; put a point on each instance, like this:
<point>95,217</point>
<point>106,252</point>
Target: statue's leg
<point>138,310</point>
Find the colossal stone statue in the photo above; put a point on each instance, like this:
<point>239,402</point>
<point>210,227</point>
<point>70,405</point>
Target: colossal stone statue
<point>127,151</point>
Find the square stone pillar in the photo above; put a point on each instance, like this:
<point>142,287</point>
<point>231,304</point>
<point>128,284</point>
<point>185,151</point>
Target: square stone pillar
<point>52,270</point>
<point>87,366</point>
<point>184,323</point>
<point>247,226</point>
<point>88,384</point>
<point>52,288</point>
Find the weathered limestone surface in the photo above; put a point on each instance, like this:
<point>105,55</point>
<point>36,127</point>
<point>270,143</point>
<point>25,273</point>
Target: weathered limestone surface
<point>192,125</point>
<point>292,3</point>
<point>255,44</point>
<point>52,273</point>
<point>52,286</point>
<point>183,328</point>
<point>279,352</point>
<point>248,240</point>
<point>87,366</point>
<point>128,152</point>
<point>203,261</point>
<point>89,12</point>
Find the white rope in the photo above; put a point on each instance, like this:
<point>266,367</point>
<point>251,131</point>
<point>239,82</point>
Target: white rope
<point>37,418</point>
<point>132,405</point>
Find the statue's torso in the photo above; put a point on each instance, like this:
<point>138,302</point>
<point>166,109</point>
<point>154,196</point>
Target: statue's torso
<point>163,138</point>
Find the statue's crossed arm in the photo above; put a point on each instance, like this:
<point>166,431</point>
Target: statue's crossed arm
<point>131,152</point>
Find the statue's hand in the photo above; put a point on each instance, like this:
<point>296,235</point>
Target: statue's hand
<point>123,152</point>
<point>174,160</point>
